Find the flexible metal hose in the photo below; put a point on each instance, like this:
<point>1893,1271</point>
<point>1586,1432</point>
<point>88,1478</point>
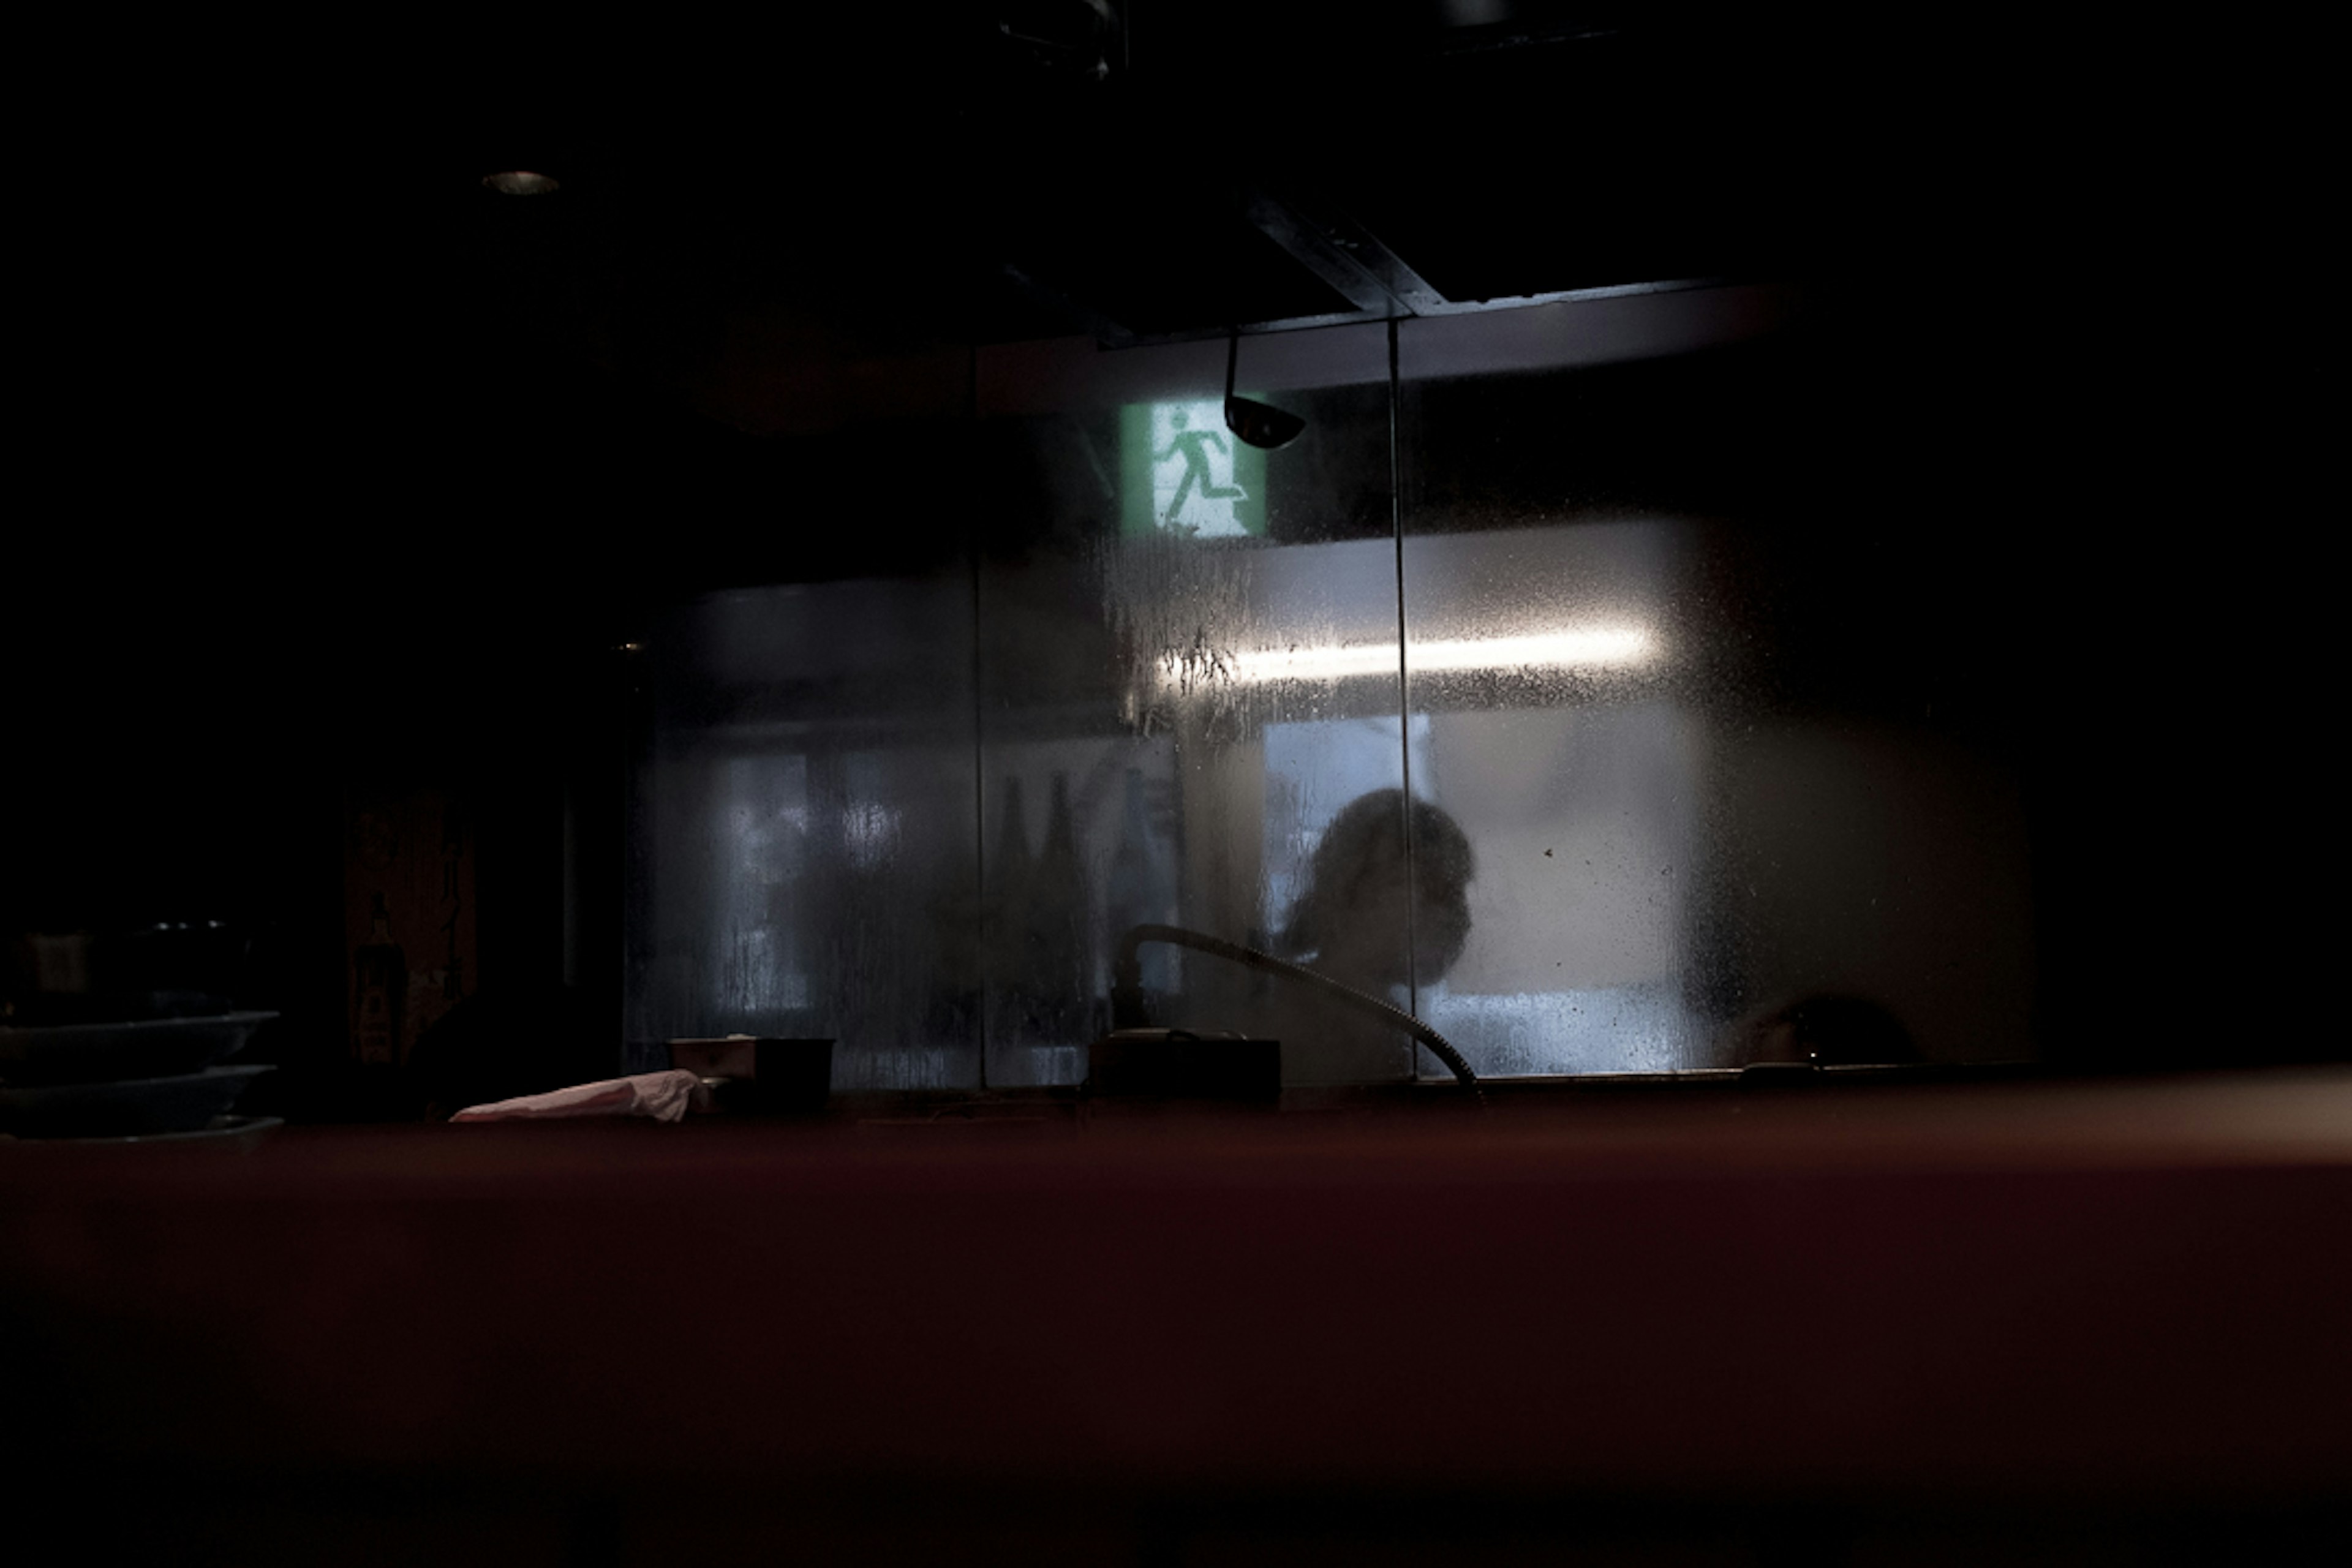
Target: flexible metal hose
<point>1127,990</point>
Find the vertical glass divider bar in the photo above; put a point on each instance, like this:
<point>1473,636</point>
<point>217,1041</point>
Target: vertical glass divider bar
<point>979,712</point>
<point>1404,694</point>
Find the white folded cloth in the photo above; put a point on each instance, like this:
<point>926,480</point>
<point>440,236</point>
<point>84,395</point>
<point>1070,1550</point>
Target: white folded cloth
<point>664,1096</point>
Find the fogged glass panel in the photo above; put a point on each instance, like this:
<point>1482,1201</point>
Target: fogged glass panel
<point>806,858</point>
<point>1679,680</point>
<point>1558,753</point>
<point>1188,670</point>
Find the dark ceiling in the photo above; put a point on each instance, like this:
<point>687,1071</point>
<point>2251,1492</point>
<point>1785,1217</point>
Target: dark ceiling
<point>278,206</point>
<point>286,208</point>
<point>891,177</point>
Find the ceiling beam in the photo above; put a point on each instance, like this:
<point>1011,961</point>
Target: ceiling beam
<point>1340,251</point>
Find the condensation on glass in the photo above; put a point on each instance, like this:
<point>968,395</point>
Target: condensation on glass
<point>1604,744</point>
<point>1158,743</point>
<point>803,819</point>
<point>1699,798</point>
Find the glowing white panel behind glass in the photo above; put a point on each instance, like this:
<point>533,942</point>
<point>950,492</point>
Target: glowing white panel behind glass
<point>1586,648</point>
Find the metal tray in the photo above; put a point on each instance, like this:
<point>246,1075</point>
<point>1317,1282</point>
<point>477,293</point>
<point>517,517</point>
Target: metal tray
<point>132,1108</point>
<point>230,1132</point>
<point>146,1048</point>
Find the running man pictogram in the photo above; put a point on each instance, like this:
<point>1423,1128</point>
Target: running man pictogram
<point>1191,444</point>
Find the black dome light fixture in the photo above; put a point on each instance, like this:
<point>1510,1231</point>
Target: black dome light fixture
<point>1256,424</point>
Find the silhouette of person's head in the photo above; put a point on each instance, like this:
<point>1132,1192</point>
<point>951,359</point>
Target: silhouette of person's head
<point>1179,418</point>
<point>1361,891</point>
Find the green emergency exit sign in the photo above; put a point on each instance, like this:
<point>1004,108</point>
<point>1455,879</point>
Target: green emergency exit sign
<point>1183,473</point>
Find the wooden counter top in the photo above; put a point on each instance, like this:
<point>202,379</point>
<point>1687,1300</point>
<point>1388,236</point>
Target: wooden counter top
<point>2104,1290</point>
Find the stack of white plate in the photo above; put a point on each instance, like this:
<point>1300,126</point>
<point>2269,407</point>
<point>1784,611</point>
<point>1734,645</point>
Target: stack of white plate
<point>131,1081</point>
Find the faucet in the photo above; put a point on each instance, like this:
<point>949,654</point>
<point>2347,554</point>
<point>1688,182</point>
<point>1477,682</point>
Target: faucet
<point>1127,1009</point>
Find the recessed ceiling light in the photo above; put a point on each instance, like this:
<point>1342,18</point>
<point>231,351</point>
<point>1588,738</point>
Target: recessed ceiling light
<point>520,183</point>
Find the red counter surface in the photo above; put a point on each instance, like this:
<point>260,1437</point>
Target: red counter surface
<point>2117,1291</point>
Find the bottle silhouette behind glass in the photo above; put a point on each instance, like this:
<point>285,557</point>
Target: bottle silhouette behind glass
<point>1138,893</point>
<point>1060,951</point>
<point>379,994</point>
<point>1011,872</point>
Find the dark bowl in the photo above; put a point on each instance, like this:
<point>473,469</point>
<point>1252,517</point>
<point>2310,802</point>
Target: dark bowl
<point>230,1134</point>
<point>132,1107</point>
<point>147,1048</point>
